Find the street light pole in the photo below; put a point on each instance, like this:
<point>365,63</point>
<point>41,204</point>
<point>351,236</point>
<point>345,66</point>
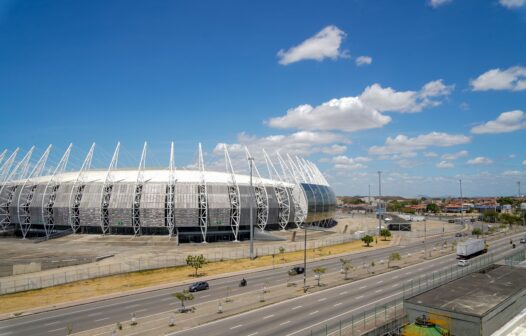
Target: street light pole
<point>305,259</point>
<point>251,160</point>
<point>461,203</point>
<point>379,202</point>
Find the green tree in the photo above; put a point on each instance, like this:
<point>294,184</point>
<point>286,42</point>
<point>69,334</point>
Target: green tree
<point>319,271</point>
<point>393,257</point>
<point>432,207</point>
<point>385,233</point>
<point>367,240</point>
<point>346,266</point>
<point>183,296</point>
<point>281,252</point>
<point>196,261</point>
<point>505,200</point>
<point>476,232</point>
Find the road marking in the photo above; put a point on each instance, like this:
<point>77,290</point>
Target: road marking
<point>166,299</point>
<point>141,310</point>
<point>296,307</point>
<point>314,312</point>
<point>133,306</point>
<point>268,316</point>
<point>284,323</point>
<point>102,319</point>
<point>379,282</point>
<point>322,299</point>
<point>362,287</point>
<point>204,296</point>
<point>239,325</point>
<point>378,291</point>
<point>253,334</point>
<point>393,286</point>
<point>94,314</point>
<point>337,304</point>
<point>359,297</point>
<point>51,323</point>
<point>343,293</point>
<point>50,331</point>
<point>395,277</point>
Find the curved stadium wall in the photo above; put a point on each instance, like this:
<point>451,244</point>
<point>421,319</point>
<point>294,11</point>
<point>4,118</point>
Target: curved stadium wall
<point>195,205</point>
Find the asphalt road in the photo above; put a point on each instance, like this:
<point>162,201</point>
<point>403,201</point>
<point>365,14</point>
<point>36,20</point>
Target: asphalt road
<point>108,312</point>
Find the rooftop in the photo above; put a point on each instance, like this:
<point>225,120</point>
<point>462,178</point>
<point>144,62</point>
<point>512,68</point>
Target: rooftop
<point>475,294</point>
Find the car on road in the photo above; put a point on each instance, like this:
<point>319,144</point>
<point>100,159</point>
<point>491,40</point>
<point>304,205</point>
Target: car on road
<point>458,234</point>
<point>523,241</point>
<point>198,286</point>
<point>296,270</point>
<point>463,262</point>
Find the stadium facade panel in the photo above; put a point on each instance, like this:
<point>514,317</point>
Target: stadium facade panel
<point>195,205</point>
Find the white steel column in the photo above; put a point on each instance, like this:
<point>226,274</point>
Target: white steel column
<point>170,194</point>
<point>305,180</point>
<point>297,193</point>
<point>282,194</point>
<point>261,196</point>
<point>2,155</point>
<point>202,195</point>
<point>6,167</point>
<point>137,194</point>
<point>10,188</point>
<point>233,195</point>
<point>107,188</point>
<point>26,194</point>
<point>75,196</point>
<point>52,186</point>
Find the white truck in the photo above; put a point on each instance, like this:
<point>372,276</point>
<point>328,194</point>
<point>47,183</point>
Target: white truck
<point>471,248</point>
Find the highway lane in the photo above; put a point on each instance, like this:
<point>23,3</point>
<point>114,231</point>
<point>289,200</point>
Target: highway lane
<point>100,313</point>
<point>299,315</point>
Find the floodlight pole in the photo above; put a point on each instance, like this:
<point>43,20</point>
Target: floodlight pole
<point>461,203</point>
<point>305,259</point>
<point>379,203</point>
<point>250,161</point>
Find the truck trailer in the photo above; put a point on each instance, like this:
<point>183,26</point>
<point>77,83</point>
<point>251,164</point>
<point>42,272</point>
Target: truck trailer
<point>471,248</point>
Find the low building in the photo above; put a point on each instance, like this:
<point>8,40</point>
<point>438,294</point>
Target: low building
<point>476,304</point>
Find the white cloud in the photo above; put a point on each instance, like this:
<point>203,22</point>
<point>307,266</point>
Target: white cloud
<point>402,143</point>
<point>505,122</point>
<point>524,162</point>
<point>325,44</point>
<point>438,3</point>
<point>512,4</point>
<point>364,60</point>
<point>454,156</point>
<point>363,112</point>
<point>387,99</point>
<point>512,156</point>
<point>480,160</point>
<point>513,79</point>
<point>445,164</point>
<point>334,149</point>
<point>344,163</point>
<point>430,154</point>
<point>347,114</point>
<point>513,173</point>
<point>404,163</point>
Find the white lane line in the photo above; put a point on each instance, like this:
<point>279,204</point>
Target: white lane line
<point>337,304</point>
<point>253,334</point>
<point>167,299</point>
<point>393,286</point>
<point>102,319</point>
<point>296,307</point>
<point>173,303</point>
<point>284,323</point>
<point>359,297</point>
<point>322,299</point>
<point>378,291</point>
<point>94,314</point>
<point>133,306</point>
<point>268,316</point>
<point>204,296</point>
<point>314,312</point>
<point>362,287</point>
<point>51,323</point>
<point>395,277</point>
<point>234,327</point>
<point>141,310</point>
<point>379,282</point>
<point>50,331</point>
<point>343,293</point>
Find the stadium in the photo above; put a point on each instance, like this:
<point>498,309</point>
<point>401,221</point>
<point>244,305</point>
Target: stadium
<point>193,205</point>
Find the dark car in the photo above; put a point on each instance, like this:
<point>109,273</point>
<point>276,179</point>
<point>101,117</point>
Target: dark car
<point>296,270</point>
<point>198,286</point>
<point>523,241</point>
<point>458,234</point>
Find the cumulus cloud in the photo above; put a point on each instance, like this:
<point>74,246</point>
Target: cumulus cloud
<point>325,44</point>
<point>402,143</point>
<point>387,99</point>
<point>513,79</point>
<point>343,162</point>
<point>524,162</point>
<point>334,149</point>
<point>506,122</point>
<point>362,112</point>
<point>363,60</point>
<point>430,154</point>
<point>513,173</point>
<point>480,160</point>
<point>454,156</point>
<point>512,4</point>
<point>445,164</point>
<point>438,3</point>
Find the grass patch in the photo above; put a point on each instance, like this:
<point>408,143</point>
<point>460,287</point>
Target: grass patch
<point>141,279</point>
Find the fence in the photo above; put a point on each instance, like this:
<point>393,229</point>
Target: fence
<point>55,277</point>
<point>390,316</point>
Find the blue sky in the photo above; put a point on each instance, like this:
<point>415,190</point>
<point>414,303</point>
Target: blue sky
<point>418,89</point>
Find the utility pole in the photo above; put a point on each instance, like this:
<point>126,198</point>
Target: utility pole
<point>369,198</point>
<point>461,203</point>
<point>519,186</point>
<point>305,259</point>
<point>251,162</point>
<point>379,202</point>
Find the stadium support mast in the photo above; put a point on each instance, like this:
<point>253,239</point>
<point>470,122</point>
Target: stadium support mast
<point>2,155</point>
<point>202,195</point>
<point>48,201</point>
<point>282,194</point>
<point>234,196</point>
<point>137,194</point>
<point>27,192</point>
<point>170,194</point>
<point>297,194</point>
<point>6,167</point>
<point>107,188</point>
<point>75,197</point>
<point>308,185</point>
<point>7,198</point>
<point>261,196</point>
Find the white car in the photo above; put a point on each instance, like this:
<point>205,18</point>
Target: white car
<point>463,262</point>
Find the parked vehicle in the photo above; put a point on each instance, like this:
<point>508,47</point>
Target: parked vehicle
<point>296,270</point>
<point>198,286</point>
<point>463,262</point>
<point>471,248</point>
